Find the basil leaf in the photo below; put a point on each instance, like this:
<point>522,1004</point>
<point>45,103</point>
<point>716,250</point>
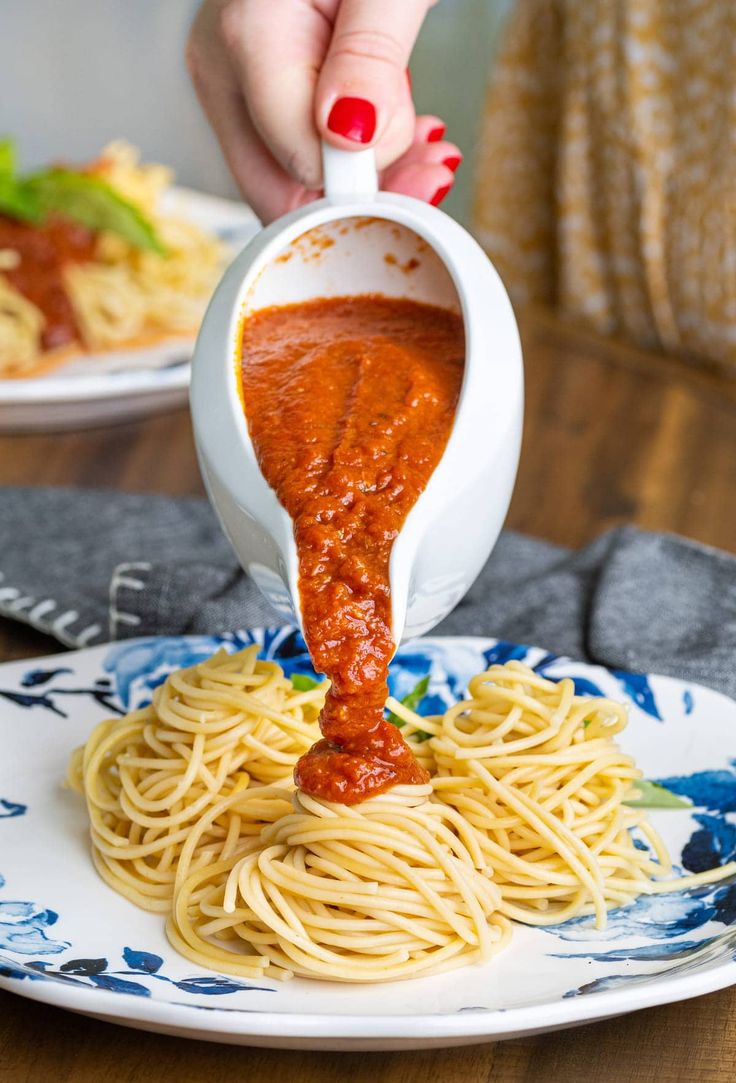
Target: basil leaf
<point>7,158</point>
<point>648,794</point>
<point>16,202</point>
<point>91,201</point>
<point>412,700</point>
<point>303,683</point>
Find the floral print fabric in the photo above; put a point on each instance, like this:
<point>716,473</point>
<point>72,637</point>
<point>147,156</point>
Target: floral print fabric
<point>606,179</point>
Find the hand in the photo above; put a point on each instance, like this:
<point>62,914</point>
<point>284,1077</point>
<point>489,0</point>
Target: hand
<point>276,76</point>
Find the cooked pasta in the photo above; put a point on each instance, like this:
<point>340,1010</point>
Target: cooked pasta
<point>383,890</point>
<point>20,323</point>
<point>119,293</point>
<point>193,813</point>
<point>534,770</point>
<point>149,778</point>
<point>126,293</point>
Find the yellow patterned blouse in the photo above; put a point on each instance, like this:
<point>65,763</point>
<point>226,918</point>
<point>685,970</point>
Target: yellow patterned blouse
<point>606,178</point>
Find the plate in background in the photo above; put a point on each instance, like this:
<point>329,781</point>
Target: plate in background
<point>120,385</point>
<point>68,939</point>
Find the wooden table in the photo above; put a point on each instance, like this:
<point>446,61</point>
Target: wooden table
<point>612,435</point>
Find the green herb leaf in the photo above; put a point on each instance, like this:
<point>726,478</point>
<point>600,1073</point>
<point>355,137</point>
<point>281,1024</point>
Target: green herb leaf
<point>412,700</point>
<point>91,201</point>
<point>16,202</point>
<point>648,794</point>
<point>303,683</point>
<point>7,158</point>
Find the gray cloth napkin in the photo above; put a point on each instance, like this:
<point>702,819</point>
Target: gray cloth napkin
<point>86,566</point>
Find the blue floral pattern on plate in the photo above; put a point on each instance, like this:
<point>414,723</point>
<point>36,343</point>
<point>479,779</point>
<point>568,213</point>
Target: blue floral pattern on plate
<point>144,966</point>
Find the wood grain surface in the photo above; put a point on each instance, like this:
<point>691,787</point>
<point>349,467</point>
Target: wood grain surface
<point>612,435</point>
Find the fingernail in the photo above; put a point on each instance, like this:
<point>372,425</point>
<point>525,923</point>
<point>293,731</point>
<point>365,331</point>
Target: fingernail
<point>440,195</point>
<point>436,134</point>
<point>353,118</point>
<point>408,77</point>
<point>453,161</point>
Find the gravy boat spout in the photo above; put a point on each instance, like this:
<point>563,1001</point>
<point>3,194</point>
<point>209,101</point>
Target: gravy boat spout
<point>354,241</point>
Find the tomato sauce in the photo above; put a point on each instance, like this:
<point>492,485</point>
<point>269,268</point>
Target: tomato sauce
<point>44,251</point>
<point>350,402</point>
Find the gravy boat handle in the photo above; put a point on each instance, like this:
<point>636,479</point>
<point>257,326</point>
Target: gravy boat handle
<point>348,175</point>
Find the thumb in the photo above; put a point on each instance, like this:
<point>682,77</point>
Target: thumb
<point>362,89</point>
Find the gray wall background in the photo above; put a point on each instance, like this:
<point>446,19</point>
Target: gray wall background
<point>77,73</point>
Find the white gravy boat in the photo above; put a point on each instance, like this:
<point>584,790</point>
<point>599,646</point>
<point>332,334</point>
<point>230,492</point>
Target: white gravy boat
<point>357,240</point>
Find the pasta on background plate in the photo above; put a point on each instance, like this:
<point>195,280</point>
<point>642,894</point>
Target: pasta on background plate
<point>91,260</point>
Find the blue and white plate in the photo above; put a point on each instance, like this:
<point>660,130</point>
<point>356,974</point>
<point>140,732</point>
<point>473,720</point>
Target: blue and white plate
<point>68,939</point>
<point>119,385</point>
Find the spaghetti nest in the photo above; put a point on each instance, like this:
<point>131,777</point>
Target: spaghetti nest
<point>534,771</point>
<point>153,776</point>
<point>388,889</point>
<point>193,812</point>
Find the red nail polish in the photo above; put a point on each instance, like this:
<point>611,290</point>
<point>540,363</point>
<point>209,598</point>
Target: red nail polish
<point>453,161</point>
<point>440,195</point>
<point>436,134</point>
<point>353,118</point>
<point>408,77</point>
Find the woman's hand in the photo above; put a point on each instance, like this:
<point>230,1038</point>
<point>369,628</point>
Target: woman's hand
<point>276,76</point>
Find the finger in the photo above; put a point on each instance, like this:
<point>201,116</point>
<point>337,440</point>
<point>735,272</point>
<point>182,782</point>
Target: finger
<point>443,153</point>
<point>427,181</point>
<point>276,49</point>
<point>429,129</point>
<point>362,88</point>
<point>418,181</point>
<point>398,133</point>
<point>264,184</point>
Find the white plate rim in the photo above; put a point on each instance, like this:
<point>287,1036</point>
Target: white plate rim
<point>503,1024</point>
<point>104,386</point>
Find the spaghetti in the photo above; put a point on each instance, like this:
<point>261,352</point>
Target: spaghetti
<point>21,323</point>
<point>534,771</point>
<point>380,891</point>
<point>525,819</point>
<point>150,777</point>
